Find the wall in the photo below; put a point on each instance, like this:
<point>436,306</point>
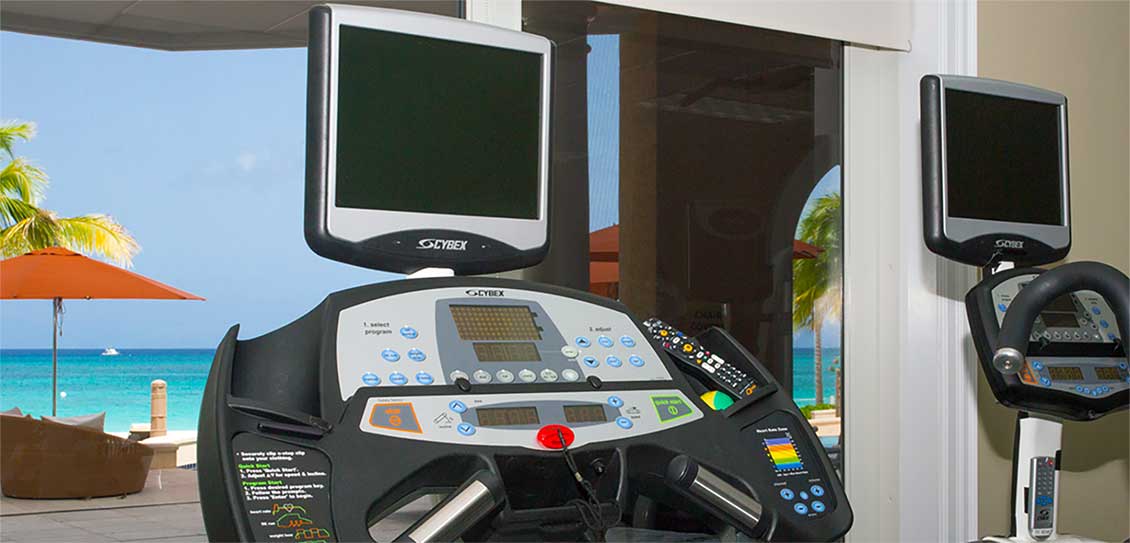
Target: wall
<point>1081,50</point>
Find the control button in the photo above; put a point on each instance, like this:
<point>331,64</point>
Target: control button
<point>818,506</point>
<point>1045,381</point>
<point>583,342</point>
<point>1110,337</point>
<point>481,376</point>
<point>623,422</point>
<point>1096,310</point>
<point>604,341</point>
<point>670,407</point>
<point>466,429</point>
<point>800,508</point>
<point>1121,365</point>
<point>548,375</point>
<point>1002,307</point>
<point>1078,388</point>
<point>1095,393</point>
<point>457,375</point>
<point>408,332</point>
<point>787,494</point>
<point>463,384</point>
<point>615,401</point>
<point>596,383</point>
<point>590,361</point>
<point>688,348</point>
<point>424,378</point>
<point>613,361</point>
<point>527,376</point>
<point>371,379</point>
<point>416,355</point>
<point>551,436</point>
<point>1055,335</point>
<point>395,416</point>
<point>627,341</point>
<point>816,490</point>
<point>570,374</point>
<point>504,376</point>
<point>803,495</point>
<point>1037,365</point>
<point>635,360</point>
<point>397,378</point>
<point>1086,390</point>
<point>457,406</point>
<point>1104,324</point>
<point>390,355</point>
<point>570,351</point>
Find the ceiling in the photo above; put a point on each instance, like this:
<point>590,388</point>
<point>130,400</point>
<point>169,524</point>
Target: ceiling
<point>184,25</point>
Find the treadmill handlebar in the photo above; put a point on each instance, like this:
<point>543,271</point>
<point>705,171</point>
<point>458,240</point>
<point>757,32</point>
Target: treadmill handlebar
<point>463,508</point>
<point>1012,342</point>
<point>733,505</point>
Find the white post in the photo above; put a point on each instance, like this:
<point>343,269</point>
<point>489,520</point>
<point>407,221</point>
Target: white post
<point>158,408</point>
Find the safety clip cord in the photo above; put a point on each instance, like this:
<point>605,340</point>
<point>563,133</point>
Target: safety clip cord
<point>588,508</point>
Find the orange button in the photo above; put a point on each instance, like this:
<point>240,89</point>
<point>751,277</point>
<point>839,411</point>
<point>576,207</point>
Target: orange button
<point>549,438</point>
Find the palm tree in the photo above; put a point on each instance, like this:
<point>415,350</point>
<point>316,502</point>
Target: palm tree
<point>25,227</point>
<point>817,292</point>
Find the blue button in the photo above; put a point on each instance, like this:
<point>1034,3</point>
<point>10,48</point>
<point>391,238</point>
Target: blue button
<point>1121,365</point>
<point>457,406</point>
<point>424,378</point>
<point>409,332</point>
<point>1104,324</point>
<point>1078,388</point>
<point>627,341</point>
<point>582,342</point>
<point>371,379</point>
<point>615,401</point>
<point>818,506</point>
<point>397,378</point>
<point>1095,393</point>
<point>680,334</point>
<point>1037,365</point>
<point>613,361</point>
<point>416,355</point>
<point>635,361</point>
<point>390,355</point>
<point>803,495</point>
<point>1096,311</point>
<point>800,508</point>
<point>787,494</point>
<point>466,429</point>
<point>1110,337</point>
<point>623,422</point>
<point>1045,381</point>
<point>816,490</point>
<point>604,341</point>
<point>1002,307</point>
<point>590,361</point>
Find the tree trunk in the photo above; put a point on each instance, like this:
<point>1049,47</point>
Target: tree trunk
<point>818,361</point>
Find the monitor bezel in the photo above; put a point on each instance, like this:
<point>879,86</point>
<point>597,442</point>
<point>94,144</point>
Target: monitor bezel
<point>392,240</point>
<point>981,241</point>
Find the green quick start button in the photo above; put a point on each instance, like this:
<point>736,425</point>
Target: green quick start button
<point>670,408</point>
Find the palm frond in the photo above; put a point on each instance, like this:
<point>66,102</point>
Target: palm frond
<point>14,210</point>
<point>98,234</point>
<point>23,180</point>
<point>38,231</point>
<point>10,131</point>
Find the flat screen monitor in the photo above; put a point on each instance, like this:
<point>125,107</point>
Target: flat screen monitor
<point>427,141</point>
<point>995,177</point>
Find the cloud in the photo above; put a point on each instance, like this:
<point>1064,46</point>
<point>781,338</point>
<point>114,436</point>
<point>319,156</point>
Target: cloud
<point>247,161</point>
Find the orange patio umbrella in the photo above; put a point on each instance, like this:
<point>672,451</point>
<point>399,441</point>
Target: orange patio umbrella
<point>56,274</point>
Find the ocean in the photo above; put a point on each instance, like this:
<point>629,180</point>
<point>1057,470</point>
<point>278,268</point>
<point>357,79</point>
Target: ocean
<point>119,385</point>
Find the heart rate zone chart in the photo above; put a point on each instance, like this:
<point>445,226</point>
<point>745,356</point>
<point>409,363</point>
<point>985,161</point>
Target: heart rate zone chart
<point>782,452</point>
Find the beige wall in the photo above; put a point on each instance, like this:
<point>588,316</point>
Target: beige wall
<point>1080,49</point>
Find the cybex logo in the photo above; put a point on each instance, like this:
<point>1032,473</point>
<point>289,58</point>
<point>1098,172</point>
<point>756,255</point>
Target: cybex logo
<point>484,292</point>
<point>442,244</point>
<point>1009,244</point>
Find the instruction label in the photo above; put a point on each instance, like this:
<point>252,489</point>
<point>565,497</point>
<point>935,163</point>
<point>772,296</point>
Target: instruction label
<point>285,490</point>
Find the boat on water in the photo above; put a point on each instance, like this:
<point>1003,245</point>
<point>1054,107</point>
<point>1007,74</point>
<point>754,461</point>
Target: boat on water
<point>110,351</point>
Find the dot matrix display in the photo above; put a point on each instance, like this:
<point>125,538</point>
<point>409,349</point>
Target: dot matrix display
<point>494,322</point>
<point>782,452</point>
<point>506,352</point>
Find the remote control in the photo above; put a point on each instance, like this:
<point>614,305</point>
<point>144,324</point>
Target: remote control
<point>1041,496</point>
<point>688,351</point>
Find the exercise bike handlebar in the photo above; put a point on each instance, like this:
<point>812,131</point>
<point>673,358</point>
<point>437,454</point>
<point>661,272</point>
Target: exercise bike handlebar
<point>464,507</point>
<point>1012,344</point>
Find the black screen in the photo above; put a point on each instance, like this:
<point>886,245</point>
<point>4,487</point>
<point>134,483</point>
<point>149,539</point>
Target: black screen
<point>1002,159</point>
<point>436,126</point>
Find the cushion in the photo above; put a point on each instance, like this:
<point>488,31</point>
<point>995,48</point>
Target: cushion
<point>94,422</point>
<point>14,412</point>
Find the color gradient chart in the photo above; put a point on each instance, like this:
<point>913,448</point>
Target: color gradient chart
<point>783,453</point>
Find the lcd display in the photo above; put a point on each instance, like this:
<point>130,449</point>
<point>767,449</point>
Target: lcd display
<point>1002,159</point>
<point>506,352</point>
<point>1059,320</point>
<point>1107,373</point>
<point>1065,373</point>
<point>585,413</point>
<point>436,126</point>
<point>507,416</point>
<point>495,323</point>
<point>783,454</point>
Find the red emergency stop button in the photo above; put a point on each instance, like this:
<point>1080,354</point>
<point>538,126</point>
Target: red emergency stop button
<point>549,437</point>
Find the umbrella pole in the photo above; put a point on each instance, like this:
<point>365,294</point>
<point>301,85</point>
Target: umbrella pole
<point>55,303</point>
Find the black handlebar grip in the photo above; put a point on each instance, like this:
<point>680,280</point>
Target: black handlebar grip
<point>723,499</point>
<point>1112,284</point>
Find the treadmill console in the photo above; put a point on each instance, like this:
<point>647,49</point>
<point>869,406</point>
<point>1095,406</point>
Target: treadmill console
<point>1075,350</point>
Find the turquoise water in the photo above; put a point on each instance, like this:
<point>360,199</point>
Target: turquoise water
<point>119,385</point>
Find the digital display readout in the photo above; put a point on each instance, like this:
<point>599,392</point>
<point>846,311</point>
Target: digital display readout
<point>495,323</point>
<point>506,352</point>
<point>1059,320</point>
<point>507,416</point>
<point>1065,373</point>
<point>1107,373</point>
<point>585,413</point>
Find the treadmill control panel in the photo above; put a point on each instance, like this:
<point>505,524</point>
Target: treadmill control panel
<point>488,337</point>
